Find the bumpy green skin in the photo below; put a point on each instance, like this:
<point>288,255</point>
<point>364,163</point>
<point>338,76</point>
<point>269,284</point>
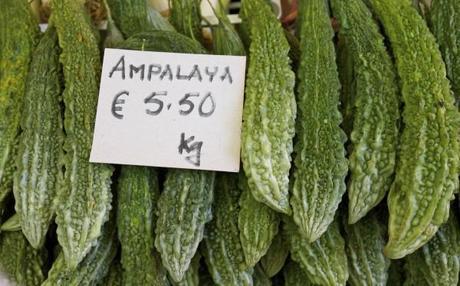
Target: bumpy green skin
<point>365,240</point>
<point>222,248</point>
<point>269,108</point>
<point>138,193</point>
<point>83,201</point>
<point>294,275</point>
<point>320,163</point>
<point>20,261</point>
<point>114,277</point>
<point>426,175</point>
<point>40,143</point>
<point>260,277</point>
<point>184,208</point>
<point>93,269</point>
<point>445,20</point>
<point>348,83</point>
<point>374,136</point>
<point>18,33</point>
<point>133,16</point>
<point>276,256</point>
<point>258,225</point>
<point>192,276</point>
<point>438,261</point>
<point>186,18</point>
<point>324,260</point>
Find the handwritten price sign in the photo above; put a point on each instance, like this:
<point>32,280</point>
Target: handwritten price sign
<point>170,110</point>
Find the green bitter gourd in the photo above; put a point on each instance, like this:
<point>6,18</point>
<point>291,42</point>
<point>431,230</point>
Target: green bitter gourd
<point>374,136</point>
<point>269,109</point>
<point>83,200</point>
<point>426,174</point>
<point>320,163</point>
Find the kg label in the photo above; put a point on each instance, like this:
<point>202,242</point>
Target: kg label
<point>170,110</point>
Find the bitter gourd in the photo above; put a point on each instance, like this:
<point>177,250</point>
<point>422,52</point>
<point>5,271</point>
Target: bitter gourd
<point>438,261</point>
<point>20,261</point>
<point>222,248</point>
<point>186,18</point>
<point>445,19</point>
<point>374,136</point>
<point>324,260</point>
<point>192,276</point>
<point>18,33</point>
<point>276,256</point>
<point>134,16</point>
<point>40,143</point>
<point>94,267</point>
<point>426,174</point>
<point>320,163</point>
<point>294,275</point>
<point>225,38</point>
<point>269,109</point>
<point>365,240</point>
<point>83,201</point>
<point>184,208</point>
<point>258,225</point>
<point>138,193</point>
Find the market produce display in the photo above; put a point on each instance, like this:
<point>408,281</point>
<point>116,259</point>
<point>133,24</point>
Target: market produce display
<point>349,148</point>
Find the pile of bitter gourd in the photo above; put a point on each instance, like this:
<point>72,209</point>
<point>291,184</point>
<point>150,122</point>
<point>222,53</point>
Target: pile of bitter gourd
<point>350,150</point>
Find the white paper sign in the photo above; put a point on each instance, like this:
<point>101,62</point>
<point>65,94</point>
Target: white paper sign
<point>170,110</point>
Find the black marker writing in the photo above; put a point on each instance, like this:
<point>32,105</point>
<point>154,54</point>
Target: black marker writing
<point>116,102</point>
<point>189,146</point>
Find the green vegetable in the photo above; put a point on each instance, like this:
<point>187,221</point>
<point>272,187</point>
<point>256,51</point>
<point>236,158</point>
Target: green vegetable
<point>294,275</point>
<point>186,18</point>
<point>365,241</point>
<point>134,16</point>
<point>94,267</point>
<point>260,277</point>
<point>445,19</point>
<point>269,108</point>
<point>374,136</point>
<point>18,32</point>
<point>276,256</point>
<point>438,261</point>
<point>426,175</point>
<point>225,38</point>
<point>192,276</point>
<point>222,248</point>
<point>258,225</point>
<point>83,200</point>
<point>20,261</point>
<point>320,163</point>
<point>138,193</point>
<point>184,208</point>
<point>324,260</point>
<point>40,143</point>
